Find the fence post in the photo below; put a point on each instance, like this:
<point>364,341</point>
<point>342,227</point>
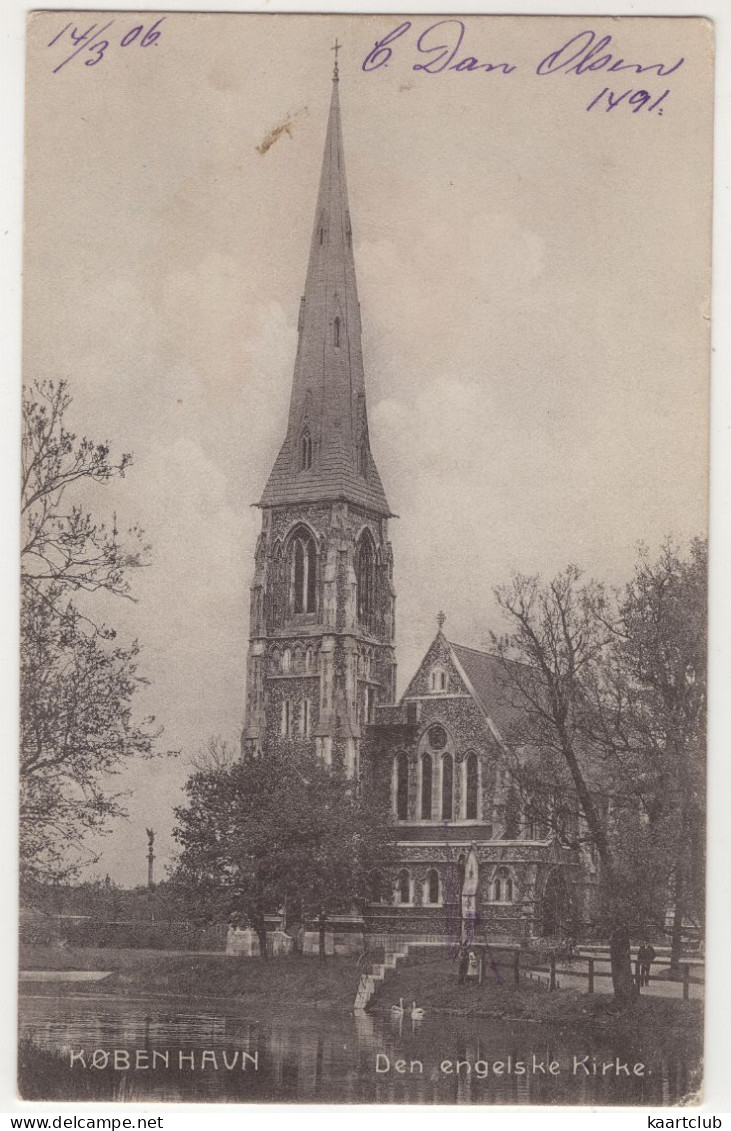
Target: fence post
<point>516,966</point>
<point>552,983</point>
<point>686,981</point>
<point>591,975</point>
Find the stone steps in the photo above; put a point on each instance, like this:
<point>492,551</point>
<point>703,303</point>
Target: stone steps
<point>369,982</point>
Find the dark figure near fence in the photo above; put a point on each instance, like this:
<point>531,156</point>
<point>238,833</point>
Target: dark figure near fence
<point>646,956</point>
<point>464,962</point>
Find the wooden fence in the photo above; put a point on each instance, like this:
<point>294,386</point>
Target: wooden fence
<point>522,966</point>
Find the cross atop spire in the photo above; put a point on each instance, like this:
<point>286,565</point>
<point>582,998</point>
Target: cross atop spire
<point>336,47</point>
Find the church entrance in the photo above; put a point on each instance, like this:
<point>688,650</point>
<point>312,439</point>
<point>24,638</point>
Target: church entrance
<point>556,918</point>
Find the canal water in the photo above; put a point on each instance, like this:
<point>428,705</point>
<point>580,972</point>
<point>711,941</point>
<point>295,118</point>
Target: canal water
<point>221,1051</point>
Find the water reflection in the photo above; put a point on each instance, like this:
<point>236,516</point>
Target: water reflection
<point>325,1056</point>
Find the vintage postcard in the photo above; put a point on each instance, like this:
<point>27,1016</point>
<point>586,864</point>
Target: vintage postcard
<point>364,558</point>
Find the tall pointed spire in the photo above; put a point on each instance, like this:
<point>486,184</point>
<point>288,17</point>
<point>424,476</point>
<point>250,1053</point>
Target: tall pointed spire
<point>326,453</point>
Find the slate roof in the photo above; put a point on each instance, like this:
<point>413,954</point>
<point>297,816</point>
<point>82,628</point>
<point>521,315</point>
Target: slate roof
<point>487,677</point>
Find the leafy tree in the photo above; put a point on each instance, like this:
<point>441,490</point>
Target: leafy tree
<point>77,682</point>
<point>281,830</point>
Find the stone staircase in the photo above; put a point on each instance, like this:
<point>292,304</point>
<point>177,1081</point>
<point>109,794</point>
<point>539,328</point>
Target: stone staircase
<point>395,954</point>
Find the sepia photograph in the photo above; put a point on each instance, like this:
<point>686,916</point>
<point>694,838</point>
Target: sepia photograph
<point>364,559</point>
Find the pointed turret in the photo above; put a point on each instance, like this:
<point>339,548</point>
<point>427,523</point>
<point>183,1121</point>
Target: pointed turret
<point>326,453</point>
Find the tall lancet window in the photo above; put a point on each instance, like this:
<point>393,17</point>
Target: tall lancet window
<point>401,787</point>
<point>336,332</point>
<point>447,786</point>
<point>471,774</point>
<point>363,457</point>
<point>426,786</point>
<point>365,573</point>
<point>306,451</point>
<point>303,572</point>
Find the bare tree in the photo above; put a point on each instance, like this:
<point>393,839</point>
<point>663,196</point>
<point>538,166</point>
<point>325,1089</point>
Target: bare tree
<point>77,684</point>
<point>554,642</point>
<point>217,754</point>
<point>611,697</point>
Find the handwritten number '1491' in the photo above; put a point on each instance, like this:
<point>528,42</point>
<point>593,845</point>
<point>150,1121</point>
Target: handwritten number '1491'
<point>637,99</point>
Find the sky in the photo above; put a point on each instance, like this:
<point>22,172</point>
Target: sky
<point>534,281</point>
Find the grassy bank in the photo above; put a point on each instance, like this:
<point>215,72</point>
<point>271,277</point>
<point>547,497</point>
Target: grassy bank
<point>292,980</point>
<point>433,986</point>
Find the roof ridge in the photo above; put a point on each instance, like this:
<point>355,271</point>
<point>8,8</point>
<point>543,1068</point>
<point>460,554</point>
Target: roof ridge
<point>493,655</point>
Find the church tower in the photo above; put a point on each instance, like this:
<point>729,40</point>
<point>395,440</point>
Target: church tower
<point>321,648</point>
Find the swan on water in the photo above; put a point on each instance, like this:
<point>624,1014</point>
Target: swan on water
<point>398,1010</point>
<point>417,1012</point>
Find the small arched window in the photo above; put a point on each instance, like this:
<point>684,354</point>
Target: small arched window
<point>403,886</point>
<point>336,332</point>
<point>502,886</point>
<point>447,786</point>
<point>402,787</point>
<point>426,787</point>
<point>322,234</point>
<point>437,679</point>
<point>365,575</point>
<point>304,573</point>
<point>471,776</point>
<point>306,451</point>
<point>432,886</point>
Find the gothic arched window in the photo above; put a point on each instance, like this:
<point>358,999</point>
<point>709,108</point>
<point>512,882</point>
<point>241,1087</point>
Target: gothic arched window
<point>304,572</point>
<point>432,886</point>
<point>402,787</point>
<point>306,451</point>
<point>426,787</point>
<point>471,776</point>
<point>502,886</point>
<point>336,332</point>
<point>447,786</point>
<point>365,575</point>
<point>403,887</point>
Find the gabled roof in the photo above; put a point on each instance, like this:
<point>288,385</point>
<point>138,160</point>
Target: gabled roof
<point>482,676</point>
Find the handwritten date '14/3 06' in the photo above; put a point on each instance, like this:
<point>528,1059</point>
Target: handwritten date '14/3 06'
<point>584,53</point>
<point>92,41</point>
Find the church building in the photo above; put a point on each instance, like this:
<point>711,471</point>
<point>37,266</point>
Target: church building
<point>321,670</point>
